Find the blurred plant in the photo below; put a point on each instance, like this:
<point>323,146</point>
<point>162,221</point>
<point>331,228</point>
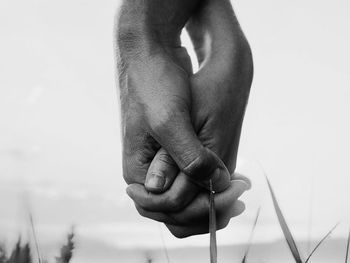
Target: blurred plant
<point>163,244</point>
<point>288,235</point>
<point>2,254</point>
<point>148,258</point>
<point>244,260</point>
<point>347,248</point>
<point>21,253</point>
<point>66,252</point>
<point>319,243</point>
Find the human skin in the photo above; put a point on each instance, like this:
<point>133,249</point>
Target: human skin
<point>182,128</point>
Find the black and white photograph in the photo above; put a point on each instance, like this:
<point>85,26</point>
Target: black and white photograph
<point>174,131</point>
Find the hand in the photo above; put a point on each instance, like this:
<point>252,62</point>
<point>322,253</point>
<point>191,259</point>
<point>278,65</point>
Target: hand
<point>219,95</point>
<point>156,104</point>
<point>193,219</point>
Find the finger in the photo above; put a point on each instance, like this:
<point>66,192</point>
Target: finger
<point>238,176</point>
<point>203,228</point>
<point>135,167</point>
<point>180,194</point>
<point>222,218</point>
<point>198,209</point>
<point>139,148</point>
<point>220,177</point>
<point>161,173</point>
<point>174,131</point>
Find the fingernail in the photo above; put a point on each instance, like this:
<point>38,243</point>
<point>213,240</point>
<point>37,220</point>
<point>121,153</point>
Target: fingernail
<point>245,185</point>
<point>155,182</point>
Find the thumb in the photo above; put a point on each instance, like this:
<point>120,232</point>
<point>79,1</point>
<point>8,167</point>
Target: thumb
<point>177,136</point>
<point>161,172</point>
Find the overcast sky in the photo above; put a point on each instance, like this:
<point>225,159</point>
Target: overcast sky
<point>59,131</point>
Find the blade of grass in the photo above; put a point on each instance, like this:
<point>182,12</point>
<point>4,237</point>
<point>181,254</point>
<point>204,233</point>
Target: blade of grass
<point>34,236</point>
<point>347,248</point>
<point>163,243</point>
<point>212,226</point>
<point>321,241</point>
<point>287,234</point>
<point>310,217</point>
<point>244,260</point>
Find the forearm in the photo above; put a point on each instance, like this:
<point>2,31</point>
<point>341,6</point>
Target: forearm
<point>220,44</point>
<point>146,24</point>
<point>215,32</point>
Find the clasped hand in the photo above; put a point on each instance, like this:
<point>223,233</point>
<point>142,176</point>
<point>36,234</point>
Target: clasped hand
<point>181,129</point>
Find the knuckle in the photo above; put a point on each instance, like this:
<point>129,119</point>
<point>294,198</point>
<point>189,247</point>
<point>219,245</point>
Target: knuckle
<point>160,120</point>
<point>167,114</point>
<point>138,142</point>
<point>134,167</point>
<point>127,172</point>
<point>199,165</point>
<point>166,158</point>
<point>128,179</point>
<point>156,173</point>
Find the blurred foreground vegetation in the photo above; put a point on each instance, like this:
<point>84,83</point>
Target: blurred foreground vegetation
<point>22,252</point>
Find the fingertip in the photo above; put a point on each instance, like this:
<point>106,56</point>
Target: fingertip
<point>161,173</point>
<point>241,185</point>
<point>221,179</point>
<point>133,190</point>
<point>238,176</point>
<point>128,191</point>
<point>155,183</point>
<point>249,182</point>
<point>239,208</point>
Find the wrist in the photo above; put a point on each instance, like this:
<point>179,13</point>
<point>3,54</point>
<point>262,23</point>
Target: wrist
<point>150,23</point>
<point>136,32</point>
<point>138,43</point>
